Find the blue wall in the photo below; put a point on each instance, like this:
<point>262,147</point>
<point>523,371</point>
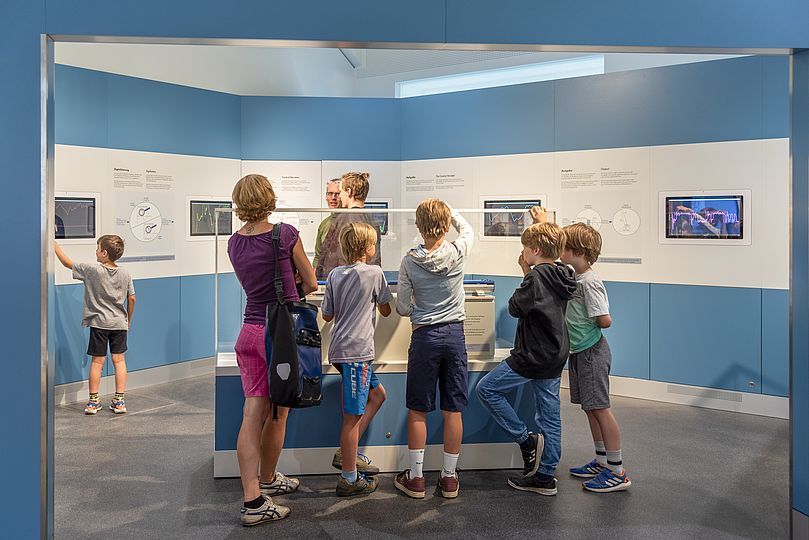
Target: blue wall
<point>744,98</point>
<point>112,111</point>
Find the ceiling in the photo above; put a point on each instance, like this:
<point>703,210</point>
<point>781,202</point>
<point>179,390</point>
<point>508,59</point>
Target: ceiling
<point>252,71</point>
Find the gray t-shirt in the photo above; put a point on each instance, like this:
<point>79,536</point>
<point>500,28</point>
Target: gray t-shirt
<point>588,302</point>
<point>352,293</point>
<point>105,294</point>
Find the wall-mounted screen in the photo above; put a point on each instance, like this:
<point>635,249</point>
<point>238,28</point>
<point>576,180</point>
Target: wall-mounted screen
<point>75,217</point>
<point>512,221</point>
<point>203,218</point>
<point>380,219</point>
<point>705,217</point>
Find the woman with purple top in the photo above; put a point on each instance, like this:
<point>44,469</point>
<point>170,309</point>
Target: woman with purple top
<point>252,254</point>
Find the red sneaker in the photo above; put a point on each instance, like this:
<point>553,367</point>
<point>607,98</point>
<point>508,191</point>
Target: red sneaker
<point>449,485</point>
<point>412,487</point>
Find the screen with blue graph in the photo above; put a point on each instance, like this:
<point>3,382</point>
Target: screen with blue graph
<point>203,218</point>
<point>709,216</point>
<point>75,217</point>
<point>512,221</point>
<point>380,219</point>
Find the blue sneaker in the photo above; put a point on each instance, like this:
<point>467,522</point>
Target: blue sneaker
<point>591,470</point>
<point>608,481</point>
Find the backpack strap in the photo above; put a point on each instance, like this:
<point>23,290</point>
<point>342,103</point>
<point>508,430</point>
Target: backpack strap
<point>276,244</point>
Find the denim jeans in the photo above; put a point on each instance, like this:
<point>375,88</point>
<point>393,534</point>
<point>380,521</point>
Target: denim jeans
<point>491,392</point>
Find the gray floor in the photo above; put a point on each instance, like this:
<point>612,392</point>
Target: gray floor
<point>697,473</point>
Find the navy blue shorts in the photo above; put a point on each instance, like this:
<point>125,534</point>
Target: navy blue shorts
<point>437,354</point>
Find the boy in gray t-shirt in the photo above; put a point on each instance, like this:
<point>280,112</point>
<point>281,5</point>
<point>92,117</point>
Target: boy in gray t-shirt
<point>109,301</point>
<point>353,294</point>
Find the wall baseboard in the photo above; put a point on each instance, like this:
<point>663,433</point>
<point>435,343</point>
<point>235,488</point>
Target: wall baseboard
<point>697,396</point>
<point>392,458</point>
<point>77,391</point>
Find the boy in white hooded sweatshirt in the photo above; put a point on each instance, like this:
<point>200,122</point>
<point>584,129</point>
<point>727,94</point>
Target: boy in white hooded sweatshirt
<point>430,290</point>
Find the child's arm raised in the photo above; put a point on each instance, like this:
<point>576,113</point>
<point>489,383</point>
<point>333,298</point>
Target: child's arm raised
<point>522,301</point>
<point>63,258</point>
<point>466,235</point>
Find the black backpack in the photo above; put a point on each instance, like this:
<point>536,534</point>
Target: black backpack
<point>292,341</point>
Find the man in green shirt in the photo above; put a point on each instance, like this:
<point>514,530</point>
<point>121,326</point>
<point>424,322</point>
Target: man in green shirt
<point>333,200</point>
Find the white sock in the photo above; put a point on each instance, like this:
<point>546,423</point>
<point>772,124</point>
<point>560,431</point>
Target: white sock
<point>615,461</point>
<point>416,463</point>
<point>601,453</point>
<point>450,462</point>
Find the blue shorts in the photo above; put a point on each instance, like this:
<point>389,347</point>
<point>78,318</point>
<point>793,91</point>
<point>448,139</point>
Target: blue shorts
<point>437,354</point>
<point>358,379</point>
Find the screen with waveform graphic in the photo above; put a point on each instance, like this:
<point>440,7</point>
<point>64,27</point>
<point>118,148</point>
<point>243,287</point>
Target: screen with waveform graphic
<point>710,216</point>
<point>380,219</point>
<point>75,217</point>
<point>203,218</point>
<point>510,222</point>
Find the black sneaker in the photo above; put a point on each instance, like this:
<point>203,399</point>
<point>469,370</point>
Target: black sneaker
<point>533,484</point>
<point>531,456</point>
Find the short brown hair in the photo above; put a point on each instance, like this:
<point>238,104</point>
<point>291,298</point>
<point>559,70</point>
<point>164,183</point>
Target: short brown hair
<point>355,238</point>
<point>584,240</point>
<point>357,183</point>
<point>548,238</point>
<point>254,197</point>
<point>433,218</point>
<point>113,245</point>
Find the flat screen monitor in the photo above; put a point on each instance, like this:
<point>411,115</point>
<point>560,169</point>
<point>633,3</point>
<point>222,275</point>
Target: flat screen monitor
<point>512,221</point>
<point>380,219</point>
<point>75,217</point>
<point>705,217</point>
<point>203,218</point>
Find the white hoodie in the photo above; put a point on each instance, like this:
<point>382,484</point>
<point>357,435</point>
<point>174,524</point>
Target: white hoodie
<point>430,287</point>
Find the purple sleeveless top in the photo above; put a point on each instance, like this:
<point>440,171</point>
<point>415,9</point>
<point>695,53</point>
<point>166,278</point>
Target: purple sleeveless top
<point>253,261</point>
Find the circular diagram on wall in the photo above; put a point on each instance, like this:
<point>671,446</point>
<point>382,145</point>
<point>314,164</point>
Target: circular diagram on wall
<point>590,217</point>
<point>145,221</point>
<point>626,221</point>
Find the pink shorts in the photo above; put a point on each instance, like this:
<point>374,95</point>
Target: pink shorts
<point>252,359</point>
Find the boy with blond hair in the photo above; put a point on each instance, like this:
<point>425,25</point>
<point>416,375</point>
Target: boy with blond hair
<point>353,294</point>
<point>109,302</point>
<point>430,291</point>
<point>538,357</point>
<point>588,312</point>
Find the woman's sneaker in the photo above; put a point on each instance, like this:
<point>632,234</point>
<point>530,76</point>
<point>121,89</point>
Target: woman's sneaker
<point>533,484</point>
<point>412,487</point>
<point>608,481</point>
<point>281,485</point>
<point>363,464</point>
<point>92,407</point>
<point>591,470</point>
<point>363,486</point>
<point>118,406</point>
<point>268,511</point>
